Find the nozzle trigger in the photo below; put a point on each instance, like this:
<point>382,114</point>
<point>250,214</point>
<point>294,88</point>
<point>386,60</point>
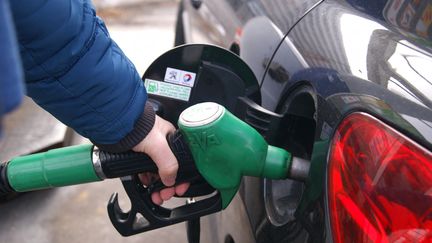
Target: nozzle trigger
<point>144,215</point>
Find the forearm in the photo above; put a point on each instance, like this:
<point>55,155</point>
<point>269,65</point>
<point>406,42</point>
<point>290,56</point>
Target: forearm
<point>76,72</point>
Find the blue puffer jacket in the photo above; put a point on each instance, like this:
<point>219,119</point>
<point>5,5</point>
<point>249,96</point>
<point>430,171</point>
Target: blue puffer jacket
<point>11,84</point>
<point>76,72</point>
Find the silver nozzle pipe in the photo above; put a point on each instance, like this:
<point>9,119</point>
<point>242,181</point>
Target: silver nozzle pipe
<point>97,163</point>
<point>299,169</point>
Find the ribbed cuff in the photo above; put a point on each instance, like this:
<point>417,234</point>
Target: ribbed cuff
<point>141,128</point>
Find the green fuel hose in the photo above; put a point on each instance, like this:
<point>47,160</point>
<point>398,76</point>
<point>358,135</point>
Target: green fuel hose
<point>82,164</point>
<point>210,140</point>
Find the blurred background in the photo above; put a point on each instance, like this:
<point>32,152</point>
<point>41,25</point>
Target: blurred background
<point>144,29</point>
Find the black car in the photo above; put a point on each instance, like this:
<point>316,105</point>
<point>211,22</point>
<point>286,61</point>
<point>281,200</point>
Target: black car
<point>351,81</point>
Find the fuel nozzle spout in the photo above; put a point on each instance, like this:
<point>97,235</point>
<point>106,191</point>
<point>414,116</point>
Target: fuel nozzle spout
<point>225,148</point>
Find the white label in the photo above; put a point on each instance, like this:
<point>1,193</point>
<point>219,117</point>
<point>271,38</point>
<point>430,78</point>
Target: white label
<point>167,90</point>
<point>177,76</point>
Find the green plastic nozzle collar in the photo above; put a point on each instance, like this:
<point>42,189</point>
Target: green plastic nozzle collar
<point>54,168</point>
<point>225,149</point>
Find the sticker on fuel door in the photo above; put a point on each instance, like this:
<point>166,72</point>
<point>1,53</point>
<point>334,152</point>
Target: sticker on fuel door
<point>181,77</point>
<point>167,90</point>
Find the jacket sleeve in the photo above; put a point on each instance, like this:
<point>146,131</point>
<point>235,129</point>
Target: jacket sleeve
<point>11,78</point>
<point>76,72</point>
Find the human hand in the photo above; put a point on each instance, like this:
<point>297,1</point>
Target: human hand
<point>156,146</point>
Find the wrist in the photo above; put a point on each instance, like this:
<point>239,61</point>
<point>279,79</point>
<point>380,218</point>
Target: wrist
<point>141,129</point>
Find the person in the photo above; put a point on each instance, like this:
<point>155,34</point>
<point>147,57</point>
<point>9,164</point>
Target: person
<point>71,67</point>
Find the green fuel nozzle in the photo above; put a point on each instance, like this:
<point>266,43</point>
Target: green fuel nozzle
<point>225,148</point>
<point>214,149</point>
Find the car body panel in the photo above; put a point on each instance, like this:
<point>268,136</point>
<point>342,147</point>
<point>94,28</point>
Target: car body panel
<point>259,25</point>
<point>346,56</point>
<point>228,224</point>
<point>228,18</point>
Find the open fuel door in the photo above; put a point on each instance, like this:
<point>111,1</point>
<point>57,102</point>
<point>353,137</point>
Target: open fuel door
<point>196,73</point>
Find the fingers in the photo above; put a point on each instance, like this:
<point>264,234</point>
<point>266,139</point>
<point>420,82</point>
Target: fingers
<point>156,198</point>
<point>167,193</point>
<point>181,189</point>
<point>156,146</point>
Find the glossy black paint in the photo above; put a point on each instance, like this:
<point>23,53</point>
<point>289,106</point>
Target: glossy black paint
<point>322,60</point>
<point>257,25</point>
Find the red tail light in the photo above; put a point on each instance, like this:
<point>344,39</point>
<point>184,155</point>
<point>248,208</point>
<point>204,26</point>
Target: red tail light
<point>379,184</point>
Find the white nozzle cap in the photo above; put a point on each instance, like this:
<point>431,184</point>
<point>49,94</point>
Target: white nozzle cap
<point>201,114</point>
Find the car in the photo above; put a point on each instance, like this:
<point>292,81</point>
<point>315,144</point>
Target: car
<point>351,83</point>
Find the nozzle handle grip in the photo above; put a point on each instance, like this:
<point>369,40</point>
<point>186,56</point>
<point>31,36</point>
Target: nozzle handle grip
<point>5,188</point>
<point>116,165</point>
